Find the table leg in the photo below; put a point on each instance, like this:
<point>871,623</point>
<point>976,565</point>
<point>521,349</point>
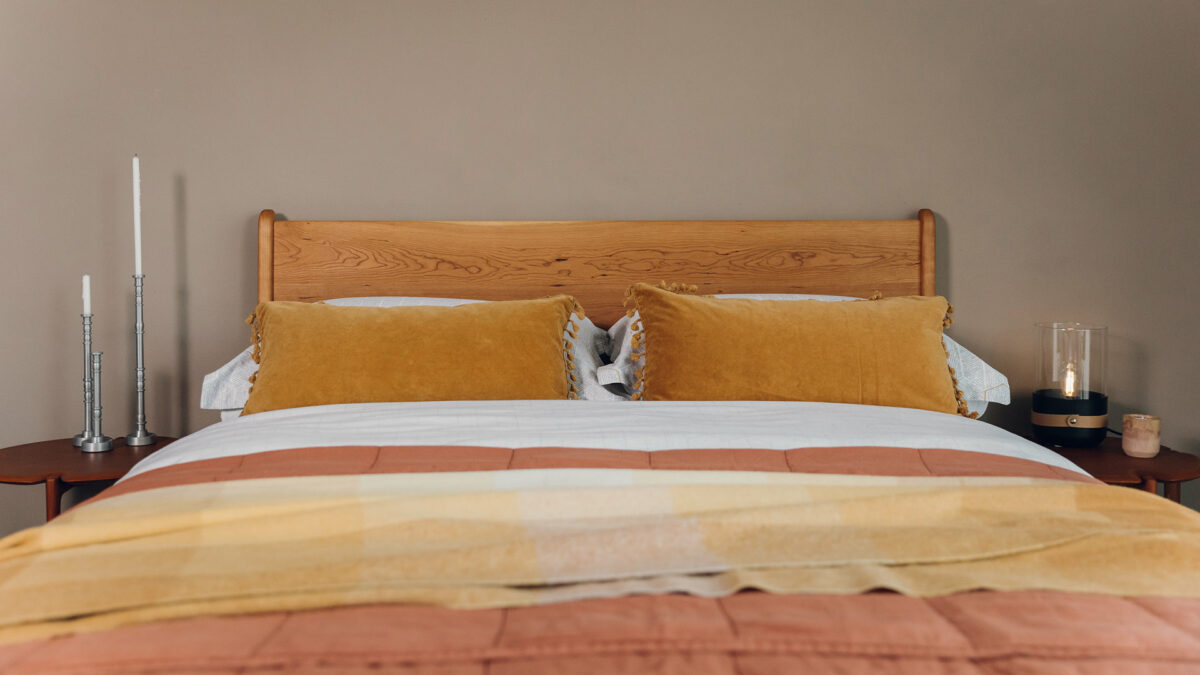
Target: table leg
<point>1150,485</point>
<point>1171,490</point>
<point>54,493</point>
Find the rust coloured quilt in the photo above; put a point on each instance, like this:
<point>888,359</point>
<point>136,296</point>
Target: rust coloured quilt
<point>561,572</point>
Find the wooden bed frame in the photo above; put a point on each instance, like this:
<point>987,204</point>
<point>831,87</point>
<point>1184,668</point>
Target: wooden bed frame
<point>593,260</point>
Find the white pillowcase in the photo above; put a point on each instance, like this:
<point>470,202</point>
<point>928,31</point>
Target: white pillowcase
<point>980,383</point>
<point>227,388</point>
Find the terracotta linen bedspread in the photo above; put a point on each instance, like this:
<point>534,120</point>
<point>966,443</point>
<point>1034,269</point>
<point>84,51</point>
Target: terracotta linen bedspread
<point>368,459</point>
<point>749,632</point>
<point>986,633</point>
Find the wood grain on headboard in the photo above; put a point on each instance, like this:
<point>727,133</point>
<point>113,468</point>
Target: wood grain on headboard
<point>593,260</point>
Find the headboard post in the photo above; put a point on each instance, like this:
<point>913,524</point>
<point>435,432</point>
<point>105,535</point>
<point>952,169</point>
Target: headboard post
<point>928,253</point>
<point>266,255</point>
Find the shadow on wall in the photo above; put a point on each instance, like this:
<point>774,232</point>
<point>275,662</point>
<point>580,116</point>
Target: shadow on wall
<point>941,254</point>
<point>181,308</point>
<point>1015,416</point>
<point>250,250</point>
<point>1128,363</point>
<point>170,388</point>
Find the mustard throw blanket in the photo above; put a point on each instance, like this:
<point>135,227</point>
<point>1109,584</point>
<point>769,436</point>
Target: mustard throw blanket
<point>489,539</point>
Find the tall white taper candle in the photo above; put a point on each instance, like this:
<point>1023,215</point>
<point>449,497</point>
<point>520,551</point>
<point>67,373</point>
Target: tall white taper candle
<point>137,216</point>
<point>87,294</point>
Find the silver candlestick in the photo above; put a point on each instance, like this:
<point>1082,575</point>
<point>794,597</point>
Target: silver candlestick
<point>140,436</point>
<point>97,442</point>
<point>87,382</point>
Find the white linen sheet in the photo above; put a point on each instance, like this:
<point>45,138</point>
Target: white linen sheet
<point>619,425</point>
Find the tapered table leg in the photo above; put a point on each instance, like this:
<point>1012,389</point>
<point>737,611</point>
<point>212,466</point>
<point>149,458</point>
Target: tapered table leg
<point>54,493</point>
<point>1150,485</point>
<point>1171,490</point>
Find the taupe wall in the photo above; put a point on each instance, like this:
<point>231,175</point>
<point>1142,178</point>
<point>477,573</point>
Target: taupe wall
<point>1057,141</point>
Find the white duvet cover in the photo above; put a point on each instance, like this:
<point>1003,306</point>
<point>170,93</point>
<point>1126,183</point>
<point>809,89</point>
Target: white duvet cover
<point>618,425</point>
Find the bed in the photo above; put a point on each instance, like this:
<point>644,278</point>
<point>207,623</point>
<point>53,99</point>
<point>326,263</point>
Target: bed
<point>531,536</point>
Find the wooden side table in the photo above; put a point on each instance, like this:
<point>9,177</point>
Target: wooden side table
<point>61,466</point>
<point>1111,465</point>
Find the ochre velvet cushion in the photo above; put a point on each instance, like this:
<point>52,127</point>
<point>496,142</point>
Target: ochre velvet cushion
<point>876,352</point>
<point>316,354</point>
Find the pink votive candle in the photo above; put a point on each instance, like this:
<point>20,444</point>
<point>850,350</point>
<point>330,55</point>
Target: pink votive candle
<point>1140,435</point>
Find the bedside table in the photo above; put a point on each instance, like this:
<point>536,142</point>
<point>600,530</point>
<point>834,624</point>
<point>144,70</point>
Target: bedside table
<point>1109,463</point>
<point>61,466</point>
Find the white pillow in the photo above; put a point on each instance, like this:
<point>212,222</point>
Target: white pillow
<point>227,388</point>
<point>979,382</point>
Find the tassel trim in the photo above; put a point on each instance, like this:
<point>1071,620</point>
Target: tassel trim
<point>570,335</point>
<point>958,394</point>
<point>637,354</point>
<point>256,344</point>
<point>677,287</point>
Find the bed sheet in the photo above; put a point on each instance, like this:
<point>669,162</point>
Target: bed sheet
<point>619,425</point>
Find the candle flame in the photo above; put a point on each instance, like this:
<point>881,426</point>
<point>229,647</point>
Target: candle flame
<point>1069,380</point>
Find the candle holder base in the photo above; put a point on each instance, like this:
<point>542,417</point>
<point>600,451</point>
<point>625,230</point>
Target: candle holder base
<point>1069,422</point>
<point>78,439</point>
<point>97,444</point>
<point>141,437</point>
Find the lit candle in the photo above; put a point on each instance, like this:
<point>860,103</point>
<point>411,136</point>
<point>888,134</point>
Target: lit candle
<point>87,294</point>
<point>1069,381</point>
<point>137,217</point>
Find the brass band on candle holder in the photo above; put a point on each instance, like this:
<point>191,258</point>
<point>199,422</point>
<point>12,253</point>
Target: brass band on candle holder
<point>140,435</point>
<point>1073,421</point>
<point>97,441</point>
<point>87,382</point>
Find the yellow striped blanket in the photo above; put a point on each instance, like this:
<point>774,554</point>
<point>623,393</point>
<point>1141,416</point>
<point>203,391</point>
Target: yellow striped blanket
<point>509,538</point>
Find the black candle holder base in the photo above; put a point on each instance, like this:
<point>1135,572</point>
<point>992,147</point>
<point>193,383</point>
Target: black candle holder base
<point>1071,422</point>
<point>1067,437</point>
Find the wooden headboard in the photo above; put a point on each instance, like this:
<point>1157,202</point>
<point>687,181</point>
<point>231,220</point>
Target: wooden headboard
<point>593,260</point>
